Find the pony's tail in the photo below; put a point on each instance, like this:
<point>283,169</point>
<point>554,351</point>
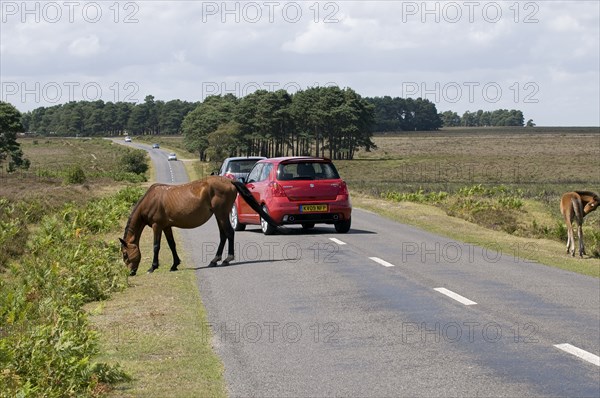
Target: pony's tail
<point>578,209</point>
<point>248,198</point>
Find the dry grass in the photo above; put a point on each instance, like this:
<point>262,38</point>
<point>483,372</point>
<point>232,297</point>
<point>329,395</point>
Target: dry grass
<point>533,160</point>
<point>50,159</point>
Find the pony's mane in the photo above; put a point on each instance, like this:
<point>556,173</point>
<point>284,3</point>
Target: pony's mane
<point>587,193</point>
<point>133,211</point>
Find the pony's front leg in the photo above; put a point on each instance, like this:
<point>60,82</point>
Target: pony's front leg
<point>157,236</point>
<point>173,247</point>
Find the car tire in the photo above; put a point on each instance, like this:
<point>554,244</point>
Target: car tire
<point>343,226</point>
<point>308,225</point>
<point>234,221</point>
<point>267,228</point>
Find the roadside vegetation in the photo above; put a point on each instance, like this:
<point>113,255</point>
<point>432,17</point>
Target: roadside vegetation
<point>54,259</point>
<point>47,346</point>
<point>72,324</point>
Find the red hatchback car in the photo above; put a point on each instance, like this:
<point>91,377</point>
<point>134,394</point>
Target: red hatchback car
<point>295,190</point>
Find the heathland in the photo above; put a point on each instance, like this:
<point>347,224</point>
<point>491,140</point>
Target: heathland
<point>69,303</point>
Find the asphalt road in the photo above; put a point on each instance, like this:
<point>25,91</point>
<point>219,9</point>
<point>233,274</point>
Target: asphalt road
<point>366,314</point>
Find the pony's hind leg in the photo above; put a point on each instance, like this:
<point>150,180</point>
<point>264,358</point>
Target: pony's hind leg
<point>226,233</point>
<point>173,247</point>
<point>219,255</point>
<point>230,233</point>
<point>570,242</point>
<point>580,237</point>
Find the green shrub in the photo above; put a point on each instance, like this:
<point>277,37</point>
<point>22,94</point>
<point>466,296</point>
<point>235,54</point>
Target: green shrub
<point>75,175</point>
<point>135,162</point>
<point>47,345</point>
<point>592,240</point>
<point>418,197</point>
<point>13,231</point>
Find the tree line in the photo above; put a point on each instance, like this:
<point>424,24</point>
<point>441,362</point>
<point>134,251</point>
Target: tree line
<point>320,121</point>
<point>404,114</point>
<point>481,118</point>
<point>99,118</point>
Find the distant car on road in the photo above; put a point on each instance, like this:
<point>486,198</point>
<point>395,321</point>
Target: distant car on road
<point>155,146</point>
<point>295,190</point>
<point>128,139</point>
<point>172,156</point>
<point>236,168</point>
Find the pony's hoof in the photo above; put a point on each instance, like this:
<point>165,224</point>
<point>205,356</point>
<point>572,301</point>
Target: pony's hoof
<point>212,264</point>
<point>132,273</point>
<point>173,269</point>
<point>152,269</point>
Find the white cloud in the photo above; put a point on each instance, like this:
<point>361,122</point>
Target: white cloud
<point>565,23</point>
<point>172,48</point>
<point>86,46</point>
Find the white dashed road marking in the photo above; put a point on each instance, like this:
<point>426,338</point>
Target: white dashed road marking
<point>578,352</point>
<point>382,262</point>
<point>171,171</point>
<point>457,297</point>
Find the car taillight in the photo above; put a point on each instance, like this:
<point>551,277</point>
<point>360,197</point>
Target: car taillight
<point>276,189</point>
<point>343,189</point>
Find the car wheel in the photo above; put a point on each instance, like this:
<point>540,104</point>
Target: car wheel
<point>234,221</point>
<point>308,225</point>
<point>267,228</point>
<point>343,226</point>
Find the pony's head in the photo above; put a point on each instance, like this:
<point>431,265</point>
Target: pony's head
<point>592,205</point>
<point>131,256</point>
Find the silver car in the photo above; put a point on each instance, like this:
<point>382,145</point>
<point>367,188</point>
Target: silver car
<point>238,167</point>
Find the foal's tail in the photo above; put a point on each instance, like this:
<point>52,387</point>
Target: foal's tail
<point>248,198</point>
<point>578,209</point>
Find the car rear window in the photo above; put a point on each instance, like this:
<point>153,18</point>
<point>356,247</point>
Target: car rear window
<point>307,171</point>
<point>240,166</point>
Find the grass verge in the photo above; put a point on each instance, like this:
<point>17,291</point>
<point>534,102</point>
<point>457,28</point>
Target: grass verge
<point>157,331</point>
<point>435,220</point>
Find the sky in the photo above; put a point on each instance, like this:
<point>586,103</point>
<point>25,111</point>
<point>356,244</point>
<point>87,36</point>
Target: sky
<point>542,57</point>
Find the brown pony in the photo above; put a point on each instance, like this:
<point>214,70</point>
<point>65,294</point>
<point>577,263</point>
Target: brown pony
<point>184,206</point>
<point>575,206</point>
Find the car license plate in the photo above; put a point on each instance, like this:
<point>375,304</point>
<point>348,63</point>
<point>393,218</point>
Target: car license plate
<point>312,208</point>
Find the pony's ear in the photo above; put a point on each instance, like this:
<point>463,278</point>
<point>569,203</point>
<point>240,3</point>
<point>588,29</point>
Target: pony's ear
<point>123,243</point>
